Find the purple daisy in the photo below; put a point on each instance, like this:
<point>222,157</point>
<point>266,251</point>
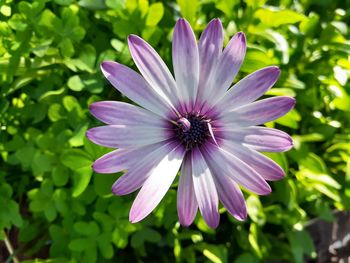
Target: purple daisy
<point>194,122</point>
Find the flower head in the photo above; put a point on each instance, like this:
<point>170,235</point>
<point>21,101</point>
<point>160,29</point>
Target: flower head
<point>194,123</point>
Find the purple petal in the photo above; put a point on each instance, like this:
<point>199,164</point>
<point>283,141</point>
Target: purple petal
<point>228,66</point>
<point>185,61</point>
<point>230,195</point>
<point>260,112</point>
<point>249,89</point>
<point>122,159</point>
<point>116,112</point>
<point>141,167</point>
<point>263,165</point>
<point>219,159</point>
<point>122,136</point>
<point>205,190</point>
<point>186,200</point>
<point>210,48</point>
<point>153,69</point>
<point>133,85</point>
<point>259,138</point>
<point>156,185</point>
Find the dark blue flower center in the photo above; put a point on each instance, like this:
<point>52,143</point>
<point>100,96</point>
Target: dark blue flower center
<point>192,131</point>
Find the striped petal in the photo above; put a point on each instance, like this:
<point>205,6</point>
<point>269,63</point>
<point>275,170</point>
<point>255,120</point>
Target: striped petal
<point>141,167</point>
<point>263,165</point>
<point>153,69</point>
<point>230,195</point>
<point>259,138</point>
<point>186,200</point>
<point>219,159</point>
<point>122,136</point>
<point>228,66</point>
<point>134,86</point>
<point>122,159</point>
<point>156,185</point>
<point>205,190</point>
<point>210,49</point>
<point>115,112</point>
<point>259,112</point>
<point>249,89</point>
<point>185,62</point>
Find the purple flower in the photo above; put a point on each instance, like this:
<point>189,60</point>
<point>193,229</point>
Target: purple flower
<point>194,122</point>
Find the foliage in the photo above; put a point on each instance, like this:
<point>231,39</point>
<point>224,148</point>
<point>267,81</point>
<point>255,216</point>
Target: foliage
<point>50,53</point>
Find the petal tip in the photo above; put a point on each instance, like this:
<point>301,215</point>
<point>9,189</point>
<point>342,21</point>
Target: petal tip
<point>294,101</point>
<point>93,167</point>
<point>185,223</point>
<point>181,20</point>
<point>214,223</point>
<point>291,102</point>
<point>212,219</point>
<point>92,107</point>
<point>215,22</point>
<point>88,134</point>
<point>241,36</point>
<point>274,69</point>
<point>133,39</point>
<point>134,217</point>
<point>242,216</point>
<point>290,145</point>
<point>133,220</point>
<point>266,190</point>
<point>107,67</point>
<point>116,189</point>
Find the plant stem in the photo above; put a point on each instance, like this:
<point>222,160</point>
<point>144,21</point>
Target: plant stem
<point>10,248</point>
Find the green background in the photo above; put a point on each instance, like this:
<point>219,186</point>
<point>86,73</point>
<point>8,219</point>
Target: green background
<point>52,206</point>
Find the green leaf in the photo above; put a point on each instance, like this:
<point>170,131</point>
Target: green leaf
<point>301,244</point>
<point>26,155</point>
<point>85,82</point>
<point>271,18</point>
<point>120,238</point>
<point>66,48</point>
<point>291,119</point>
<point>226,6</point>
<point>5,191</point>
<point>253,240</point>
<point>60,175</point>
<point>70,103</point>
<point>103,183</point>
<point>145,234</point>
<point>80,163</point>
<point>78,137</point>
<point>313,163</point>
<point>255,3</point>
<point>255,210</point>
<point>50,212</point>
<point>216,254</point>
<point>81,244</point>
<point>188,9</point>
<point>105,246</point>
<point>256,59</point>
<point>63,2</point>
<point>155,14</point>
<point>309,25</point>
<point>5,10</point>
<point>56,112</point>
<point>116,4</point>
<point>87,229</point>
<point>246,258</point>
<point>88,56</point>
<point>17,22</point>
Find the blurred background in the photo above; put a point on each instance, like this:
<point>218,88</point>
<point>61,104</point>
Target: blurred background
<point>53,208</point>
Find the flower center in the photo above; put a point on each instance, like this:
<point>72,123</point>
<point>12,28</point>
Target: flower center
<point>192,131</point>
